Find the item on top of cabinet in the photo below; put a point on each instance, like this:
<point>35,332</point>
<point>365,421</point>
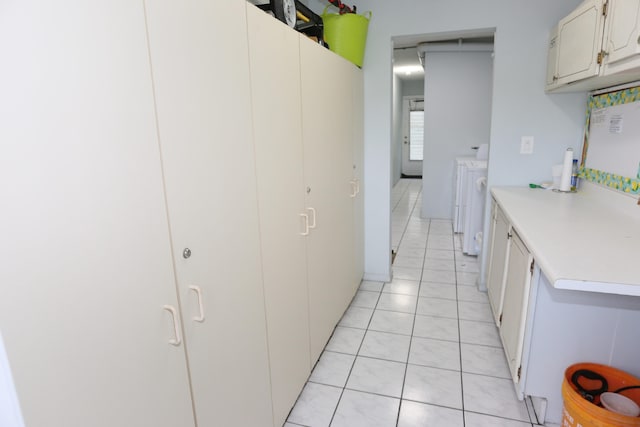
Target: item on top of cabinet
<point>296,15</point>
<point>544,185</point>
<point>346,33</point>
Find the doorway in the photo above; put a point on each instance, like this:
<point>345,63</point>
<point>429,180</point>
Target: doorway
<point>412,136</point>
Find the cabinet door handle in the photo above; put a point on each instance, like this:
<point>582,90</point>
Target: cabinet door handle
<point>177,340</point>
<point>313,218</point>
<point>357,186</point>
<point>306,224</point>
<point>353,189</point>
<point>198,292</point>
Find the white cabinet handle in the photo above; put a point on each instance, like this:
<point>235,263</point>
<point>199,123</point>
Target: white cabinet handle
<point>306,224</point>
<point>174,315</point>
<point>198,292</point>
<point>353,189</point>
<point>313,217</point>
<point>357,186</point>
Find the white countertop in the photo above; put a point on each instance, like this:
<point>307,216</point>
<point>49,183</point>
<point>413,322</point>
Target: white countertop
<point>588,241</point>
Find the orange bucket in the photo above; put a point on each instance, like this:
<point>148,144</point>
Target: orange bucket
<point>580,412</point>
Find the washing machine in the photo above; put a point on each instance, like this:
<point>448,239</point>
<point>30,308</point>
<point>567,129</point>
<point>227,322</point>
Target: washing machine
<point>475,195</point>
<point>459,186</point>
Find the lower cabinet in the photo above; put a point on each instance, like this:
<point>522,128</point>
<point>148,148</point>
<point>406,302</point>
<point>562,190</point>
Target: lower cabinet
<point>544,329</point>
<point>514,305</point>
<point>499,250</point>
<point>508,283</point>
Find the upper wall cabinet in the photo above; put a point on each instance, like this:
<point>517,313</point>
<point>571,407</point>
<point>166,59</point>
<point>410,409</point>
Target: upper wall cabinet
<point>595,46</point>
<point>622,44</point>
<point>578,43</point>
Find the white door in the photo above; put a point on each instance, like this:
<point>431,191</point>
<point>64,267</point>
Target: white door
<point>277,125</point>
<point>86,254</point>
<point>199,56</point>
<point>412,135</point>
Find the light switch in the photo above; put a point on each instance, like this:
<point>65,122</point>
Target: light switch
<point>526,145</point>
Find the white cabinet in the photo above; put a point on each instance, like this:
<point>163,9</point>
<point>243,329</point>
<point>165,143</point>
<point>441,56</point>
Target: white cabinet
<point>595,46</point>
<point>515,302</point>
<point>328,167</point>
<point>284,218</point>
<point>498,253</point>
<point>622,31</point>
<point>87,263</point>
<point>204,108</point>
<point>309,195</point>
<point>358,175</point>
<point>579,40</point>
<point>153,170</point>
<point>509,279</point>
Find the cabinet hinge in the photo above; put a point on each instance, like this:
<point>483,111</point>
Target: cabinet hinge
<point>531,266</point>
<point>519,372</point>
<point>509,235</point>
<point>601,56</point>
<point>605,8</point>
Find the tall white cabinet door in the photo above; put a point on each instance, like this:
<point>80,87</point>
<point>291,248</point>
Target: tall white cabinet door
<point>86,254</point>
<point>199,57</point>
<point>579,42</point>
<point>358,173</point>
<point>328,152</point>
<point>275,83</point>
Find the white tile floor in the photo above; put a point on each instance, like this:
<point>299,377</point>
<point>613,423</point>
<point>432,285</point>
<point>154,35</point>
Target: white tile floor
<point>419,351</point>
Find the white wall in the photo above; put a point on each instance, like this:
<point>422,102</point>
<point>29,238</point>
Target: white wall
<point>457,116</point>
<point>413,87</point>
<point>520,106</point>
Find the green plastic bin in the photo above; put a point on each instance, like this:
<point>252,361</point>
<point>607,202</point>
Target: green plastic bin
<point>346,34</point>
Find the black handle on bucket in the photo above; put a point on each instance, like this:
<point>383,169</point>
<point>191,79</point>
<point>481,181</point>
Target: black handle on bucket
<point>590,395</point>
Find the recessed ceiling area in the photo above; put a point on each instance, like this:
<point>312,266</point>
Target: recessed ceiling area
<point>406,59</point>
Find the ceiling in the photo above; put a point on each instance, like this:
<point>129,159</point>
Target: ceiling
<point>406,61</point>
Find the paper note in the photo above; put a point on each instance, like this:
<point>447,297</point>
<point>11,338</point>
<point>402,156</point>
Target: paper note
<point>598,117</point>
<point>615,123</point>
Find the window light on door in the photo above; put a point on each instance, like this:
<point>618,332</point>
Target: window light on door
<point>416,135</point>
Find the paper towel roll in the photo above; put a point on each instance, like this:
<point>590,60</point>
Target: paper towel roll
<point>567,167</point>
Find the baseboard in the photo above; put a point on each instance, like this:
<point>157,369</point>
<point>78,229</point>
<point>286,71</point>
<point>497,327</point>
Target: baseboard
<point>376,277</point>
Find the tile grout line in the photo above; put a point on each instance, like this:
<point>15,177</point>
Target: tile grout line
<point>335,410</point>
<point>415,313</point>
<point>455,269</point>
